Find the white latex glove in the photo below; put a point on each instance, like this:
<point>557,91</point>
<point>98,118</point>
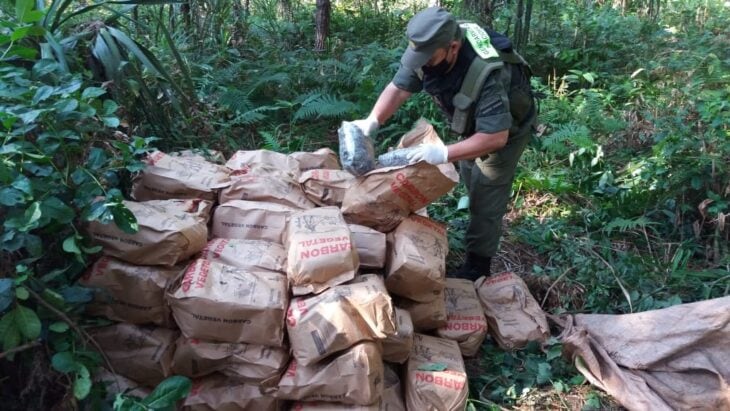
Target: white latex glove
<point>368,125</point>
<point>431,153</point>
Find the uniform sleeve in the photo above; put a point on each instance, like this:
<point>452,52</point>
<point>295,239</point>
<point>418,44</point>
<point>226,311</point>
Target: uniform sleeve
<point>407,80</point>
<point>492,112</point>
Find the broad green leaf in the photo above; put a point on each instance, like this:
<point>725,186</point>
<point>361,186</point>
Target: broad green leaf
<point>42,93</point>
<point>30,116</point>
<point>23,184</point>
<point>110,107</point>
<point>28,322</point>
<point>34,16</point>
<point>65,106</point>
<point>10,196</point>
<point>463,203</point>
<point>92,250</point>
<point>97,158</point>
<point>33,244</point>
<point>123,218</point>
<point>70,246</point>
<point>6,294</point>
<point>168,392</point>
<point>64,362</point>
<point>82,387</point>
<point>92,92</point>
<point>58,327</point>
<point>56,209</point>
<point>58,50</point>
<point>21,293</point>
<point>29,219</point>
<point>19,33</point>
<point>9,331</point>
<point>111,122</point>
<point>22,8</point>
<point>76,294</point>
<point>544,373</point>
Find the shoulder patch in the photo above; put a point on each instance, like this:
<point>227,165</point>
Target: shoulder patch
<point>479,40</point>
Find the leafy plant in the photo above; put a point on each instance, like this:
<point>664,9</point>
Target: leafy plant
<point>164,397</point>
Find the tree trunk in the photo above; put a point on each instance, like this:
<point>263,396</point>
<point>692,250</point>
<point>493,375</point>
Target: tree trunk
<point>185,11</point>
<point>285,10</point>
<point>322,23</point>
<point>518,24</point>
<point>526,26</point>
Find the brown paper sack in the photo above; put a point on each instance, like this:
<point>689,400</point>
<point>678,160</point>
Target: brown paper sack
<point>320,253</point>
<point>118,384</point>
<point>256,364</point>
<point>331,406</point>
<point>465,321</point>
<point>416,265</point>
<point>246,161</point>
<point>425,316</point>
<point>250,254</point>
<point>214,156</point>
<point>201,209</point>
<point>391,400</point>
<point>271,186</point>
<point>354,376</point>
<point>251,220</point>
<point>436,379</point>
<point>370,244</point>
<point>421,133</point>
<point>167,177</point>
<point>219,393</point>
<point>382,198</point>
<point>326,187</point>
<point>140,353</point>
<point>397,348</point>
<point>513,315</point>
<point>130,293</point>
<point>166,236</point>
<point>322,158</point>
<point>338,318</point>
<point>217,302</point>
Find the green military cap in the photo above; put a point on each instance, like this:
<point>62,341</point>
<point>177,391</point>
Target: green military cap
<point>428,31</point>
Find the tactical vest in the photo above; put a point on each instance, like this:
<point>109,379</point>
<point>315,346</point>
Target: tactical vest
<point>487,60</point>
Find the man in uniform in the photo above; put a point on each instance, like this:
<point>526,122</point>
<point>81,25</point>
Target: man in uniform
<point>490,104</point>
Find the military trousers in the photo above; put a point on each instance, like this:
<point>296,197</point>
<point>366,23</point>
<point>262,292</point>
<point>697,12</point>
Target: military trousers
<point>489,183</point>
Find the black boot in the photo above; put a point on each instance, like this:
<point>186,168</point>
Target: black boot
<point>474,267</point>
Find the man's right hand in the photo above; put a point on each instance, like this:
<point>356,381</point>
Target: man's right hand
<point>368,125</point>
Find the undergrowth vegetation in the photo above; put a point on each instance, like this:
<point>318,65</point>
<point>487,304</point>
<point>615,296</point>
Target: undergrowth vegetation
<point>621,202</point>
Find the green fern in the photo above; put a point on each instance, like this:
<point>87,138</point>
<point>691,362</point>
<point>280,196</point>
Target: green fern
<point>624,225</point>
<point>323,105</point>
<point>560,141</point>
<point>257,81</point>
<point>236,100</point>
<point>270,142</point>
<point>254,115</point>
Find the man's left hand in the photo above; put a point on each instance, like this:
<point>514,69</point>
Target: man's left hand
<point>431,153</point>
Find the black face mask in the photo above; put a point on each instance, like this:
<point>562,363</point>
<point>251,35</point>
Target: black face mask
<point>437,70</point>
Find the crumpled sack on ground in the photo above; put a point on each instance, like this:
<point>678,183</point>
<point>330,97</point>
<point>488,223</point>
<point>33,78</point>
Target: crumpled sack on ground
<point>513,315</point>
<point>676,358</point>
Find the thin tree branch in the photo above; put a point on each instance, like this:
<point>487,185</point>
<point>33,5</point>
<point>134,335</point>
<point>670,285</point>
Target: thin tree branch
<point>20,348</point>
<point>85,336</point>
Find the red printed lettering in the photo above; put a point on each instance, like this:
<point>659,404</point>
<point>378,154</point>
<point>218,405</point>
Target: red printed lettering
<point>155,157</point>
